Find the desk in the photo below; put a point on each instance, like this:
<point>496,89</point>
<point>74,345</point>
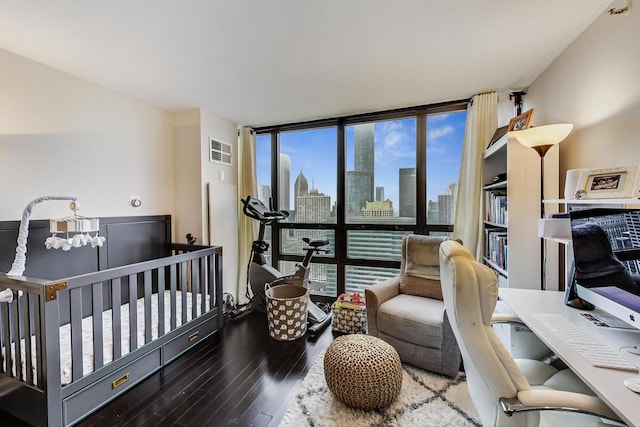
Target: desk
<point>606,383</point>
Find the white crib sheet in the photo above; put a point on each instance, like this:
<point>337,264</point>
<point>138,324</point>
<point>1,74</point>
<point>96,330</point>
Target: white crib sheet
<point>87,333</point>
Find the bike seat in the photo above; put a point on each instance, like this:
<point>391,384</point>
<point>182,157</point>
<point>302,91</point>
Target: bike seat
<point>315,243</point>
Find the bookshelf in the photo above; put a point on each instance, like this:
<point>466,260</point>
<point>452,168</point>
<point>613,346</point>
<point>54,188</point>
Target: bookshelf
<point>519,229</point>
<point>511,209</point>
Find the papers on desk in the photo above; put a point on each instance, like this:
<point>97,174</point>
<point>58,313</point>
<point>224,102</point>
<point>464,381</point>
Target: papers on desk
<point>606,321</point>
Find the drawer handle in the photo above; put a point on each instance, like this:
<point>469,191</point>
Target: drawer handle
<point>117,383</point>
<point>193,336</point>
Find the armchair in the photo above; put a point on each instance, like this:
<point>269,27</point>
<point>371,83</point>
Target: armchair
<point>407,311</point>
<point>507,392</point>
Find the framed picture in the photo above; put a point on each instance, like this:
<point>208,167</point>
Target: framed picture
<point>523,121</point>
<point>499,133</point>
<point>619,182</point>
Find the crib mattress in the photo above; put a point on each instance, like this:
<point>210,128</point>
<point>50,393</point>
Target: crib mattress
<point>87,333</point>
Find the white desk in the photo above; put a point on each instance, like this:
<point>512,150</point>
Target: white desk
<point>606,383</point>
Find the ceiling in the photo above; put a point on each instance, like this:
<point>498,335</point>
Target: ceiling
<point>263,62</point>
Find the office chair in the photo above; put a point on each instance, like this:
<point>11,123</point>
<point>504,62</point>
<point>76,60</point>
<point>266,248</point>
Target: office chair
<point>505,391</point>
<point>597,264</point>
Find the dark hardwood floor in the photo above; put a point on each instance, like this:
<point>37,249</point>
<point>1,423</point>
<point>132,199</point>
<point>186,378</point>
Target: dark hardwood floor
<point>239,377</point>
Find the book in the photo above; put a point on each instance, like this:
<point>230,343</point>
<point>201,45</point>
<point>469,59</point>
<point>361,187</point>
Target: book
<point>351,301</point>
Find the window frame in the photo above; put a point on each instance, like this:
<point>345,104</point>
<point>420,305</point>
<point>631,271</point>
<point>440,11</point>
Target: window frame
<point>341,227</point>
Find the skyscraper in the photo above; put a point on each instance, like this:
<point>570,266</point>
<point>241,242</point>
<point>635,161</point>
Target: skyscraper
<point>313,207</point>
<point>284,185</point>
<point>363,136</point>
<point>360,181</point>
<point>359,186</point>
<point>300,188</point>
<point>379,194</point>
<point>407,192</point>
<point>446,204</point>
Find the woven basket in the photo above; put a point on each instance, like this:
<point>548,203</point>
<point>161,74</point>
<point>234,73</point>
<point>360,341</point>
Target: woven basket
<point>362,371</point>
<point>286,311</point>
<point>349,321</point>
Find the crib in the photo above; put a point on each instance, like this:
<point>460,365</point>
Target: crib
<point>70,346</point>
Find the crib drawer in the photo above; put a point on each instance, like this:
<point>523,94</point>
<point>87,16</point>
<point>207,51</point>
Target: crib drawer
<point>86,400</point>
<point>188,339</point>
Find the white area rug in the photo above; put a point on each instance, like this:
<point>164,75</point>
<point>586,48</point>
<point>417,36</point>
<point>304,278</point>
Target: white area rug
<point>426,399</point>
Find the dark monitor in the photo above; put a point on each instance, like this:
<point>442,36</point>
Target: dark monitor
<point>606,251</point>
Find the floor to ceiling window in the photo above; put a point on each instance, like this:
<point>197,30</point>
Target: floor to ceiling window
<point>362,183</point>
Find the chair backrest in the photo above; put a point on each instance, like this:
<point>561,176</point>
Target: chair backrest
<point>420,267</point>
<point>420,256</point>
<point>470,293</point>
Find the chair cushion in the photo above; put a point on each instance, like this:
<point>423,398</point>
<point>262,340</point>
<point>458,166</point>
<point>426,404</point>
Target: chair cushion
<point>413,319</point>
<point>420,287</point>
<point>420,256</point>
<point>542,375</point>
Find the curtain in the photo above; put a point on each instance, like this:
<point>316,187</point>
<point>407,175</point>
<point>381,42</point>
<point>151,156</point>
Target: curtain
<point>247,186</point>
<point>482,121</point>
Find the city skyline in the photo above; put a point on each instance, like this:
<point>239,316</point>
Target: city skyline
<point>314,154</point>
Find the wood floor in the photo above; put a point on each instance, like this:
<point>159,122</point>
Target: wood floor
<point>240,377</point>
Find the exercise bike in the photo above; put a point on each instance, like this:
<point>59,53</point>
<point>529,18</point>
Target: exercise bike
<point>260,273</point>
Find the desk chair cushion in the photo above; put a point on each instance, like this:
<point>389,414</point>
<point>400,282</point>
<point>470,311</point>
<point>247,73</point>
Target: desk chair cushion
<point>543,376</point>
<point>413,319</point>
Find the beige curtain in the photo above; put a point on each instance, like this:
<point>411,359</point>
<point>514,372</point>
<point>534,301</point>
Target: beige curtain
<point>482,121</point>
<point>247,186</point>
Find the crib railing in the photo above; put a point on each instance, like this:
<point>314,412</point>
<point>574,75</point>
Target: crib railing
<point>191,280</point>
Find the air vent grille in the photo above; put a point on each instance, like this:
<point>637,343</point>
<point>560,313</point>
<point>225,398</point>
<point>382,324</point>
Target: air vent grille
<point>220,152</point>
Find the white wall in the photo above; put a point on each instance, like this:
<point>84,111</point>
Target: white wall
<point>220,193</point>
<point>60,135</point>
<point>186,157</point>
<point>594,85</point>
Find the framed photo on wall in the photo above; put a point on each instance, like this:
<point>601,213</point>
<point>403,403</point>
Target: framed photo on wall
<point>619,182</point>
<point>523,121</point>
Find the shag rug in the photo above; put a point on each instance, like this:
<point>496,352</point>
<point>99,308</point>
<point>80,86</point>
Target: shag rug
<point>426,399</point>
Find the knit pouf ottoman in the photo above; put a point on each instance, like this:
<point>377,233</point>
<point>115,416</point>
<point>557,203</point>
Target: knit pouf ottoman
<point>362,371</point>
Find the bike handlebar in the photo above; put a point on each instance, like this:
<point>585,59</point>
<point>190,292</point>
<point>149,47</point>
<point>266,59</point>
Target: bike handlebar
<point>254,208</point>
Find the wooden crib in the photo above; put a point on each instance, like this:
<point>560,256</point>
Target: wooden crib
<point>69,346</point>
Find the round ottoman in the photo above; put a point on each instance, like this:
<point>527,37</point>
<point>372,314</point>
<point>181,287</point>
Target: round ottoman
<point>362,371</point>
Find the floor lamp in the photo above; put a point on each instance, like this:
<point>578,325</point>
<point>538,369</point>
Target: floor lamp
<point>541,139</point>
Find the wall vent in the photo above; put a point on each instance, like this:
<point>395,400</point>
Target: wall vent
<point>220,152</point>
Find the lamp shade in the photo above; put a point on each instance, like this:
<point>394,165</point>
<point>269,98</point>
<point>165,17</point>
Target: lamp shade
<point>541,138</point>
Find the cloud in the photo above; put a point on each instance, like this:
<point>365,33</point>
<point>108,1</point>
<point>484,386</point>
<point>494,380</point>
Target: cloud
<point>394,139</point>
<point>437,142</point>
<point>435,118</point>
<point>439,132</point>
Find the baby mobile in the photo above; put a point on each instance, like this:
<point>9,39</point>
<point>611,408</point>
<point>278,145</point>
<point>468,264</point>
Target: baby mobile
<point>73,224</point>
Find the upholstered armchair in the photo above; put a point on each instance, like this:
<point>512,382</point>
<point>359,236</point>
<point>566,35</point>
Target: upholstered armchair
<point>407,311</point>
<point>507,391</point>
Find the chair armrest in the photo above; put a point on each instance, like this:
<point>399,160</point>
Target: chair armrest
<point>505,318</point>
<point>556,400</point>
<point>375,296</point>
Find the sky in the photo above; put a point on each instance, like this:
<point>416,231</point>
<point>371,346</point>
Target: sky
<point>314,153</point>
